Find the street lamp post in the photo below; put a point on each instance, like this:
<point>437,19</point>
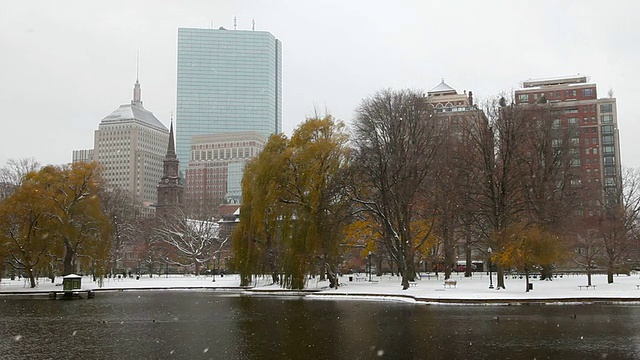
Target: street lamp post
<point>214,269</point>
<point>369,266</point>
<point>166,267</point>
<point>489,250</point>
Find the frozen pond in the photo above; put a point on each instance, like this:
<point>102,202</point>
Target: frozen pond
<point>206,324</point>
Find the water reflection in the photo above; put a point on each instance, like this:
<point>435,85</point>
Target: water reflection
<point>206,325</point>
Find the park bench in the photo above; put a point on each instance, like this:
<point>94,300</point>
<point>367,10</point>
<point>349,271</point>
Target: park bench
<point>450,283</point>
<point>412,283</point>
<point>586,287</point>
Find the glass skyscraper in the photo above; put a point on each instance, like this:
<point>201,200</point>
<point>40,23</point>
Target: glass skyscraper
<point>228,81</point>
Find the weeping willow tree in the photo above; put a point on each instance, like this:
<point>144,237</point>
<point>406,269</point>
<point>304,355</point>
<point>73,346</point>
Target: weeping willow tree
<point>294,206</point>
<point>254,244</point>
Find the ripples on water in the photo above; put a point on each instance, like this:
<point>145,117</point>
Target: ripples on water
<point>207,325</point>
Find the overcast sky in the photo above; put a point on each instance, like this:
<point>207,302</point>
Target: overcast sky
<point>65,65</point>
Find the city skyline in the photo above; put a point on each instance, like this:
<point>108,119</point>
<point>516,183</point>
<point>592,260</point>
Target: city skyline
<point>63,73</point>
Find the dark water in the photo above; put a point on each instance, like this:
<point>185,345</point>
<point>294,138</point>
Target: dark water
<point>208,325</point>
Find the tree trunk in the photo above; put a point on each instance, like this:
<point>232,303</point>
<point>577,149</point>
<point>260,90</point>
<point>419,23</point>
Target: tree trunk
<point>68,260</point>
<point>500,277</point>
<point>405,281</point>
<point>50,274</point>
<point>32,278</point>
<point>274,272</point>
<point>448,252</point>
<point>588,276</point>
<point>468,265</point>
<point>402,269</point>
<point>526,276</point>
<point>332,276</point>
<point>610,271</point>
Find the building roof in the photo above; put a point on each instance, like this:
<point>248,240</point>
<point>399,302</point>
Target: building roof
<point>228,136</point>
<point>129,112</point>
<point>442,89</point>
<point>560,80</point>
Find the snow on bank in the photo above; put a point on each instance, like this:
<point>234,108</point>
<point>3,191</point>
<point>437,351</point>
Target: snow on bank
<point>384,288</point>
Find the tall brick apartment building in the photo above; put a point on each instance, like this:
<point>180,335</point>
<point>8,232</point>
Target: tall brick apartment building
<point>575,103</point>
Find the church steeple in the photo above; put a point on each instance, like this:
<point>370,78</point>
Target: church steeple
<point>169,187</point>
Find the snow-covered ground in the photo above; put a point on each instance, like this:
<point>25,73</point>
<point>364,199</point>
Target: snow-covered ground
<point>427,289</point>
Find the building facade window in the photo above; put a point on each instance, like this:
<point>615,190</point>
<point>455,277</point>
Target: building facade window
<point>606,108</point>
<point>606,119</point>
<point>607,129</point>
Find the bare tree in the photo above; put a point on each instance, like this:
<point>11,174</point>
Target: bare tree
<point>195,242</point>
<point>497,192</point>
<point>589,246</point>
<point>552,175</point>
<point>12,174</point>
<point>395,140</point>
<point>123,211</point>
<point>521,170</point>
<point>448,186</point>
<point>618,222</point>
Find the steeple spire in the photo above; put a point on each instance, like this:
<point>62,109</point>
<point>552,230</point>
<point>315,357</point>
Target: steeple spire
<point>171,149</point>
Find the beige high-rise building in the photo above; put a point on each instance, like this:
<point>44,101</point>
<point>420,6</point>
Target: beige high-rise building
<point>130,145</point>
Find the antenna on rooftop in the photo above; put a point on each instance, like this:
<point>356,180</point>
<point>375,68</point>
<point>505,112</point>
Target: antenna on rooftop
<point>138,65</point>
<point>235,22</point>
<point>211,24</point>
<point>253,24</point>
